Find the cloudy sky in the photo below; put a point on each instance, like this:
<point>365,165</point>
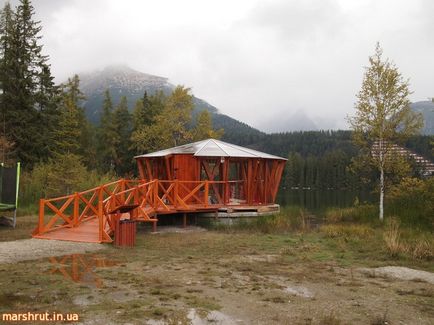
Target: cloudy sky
<point>257,61</point>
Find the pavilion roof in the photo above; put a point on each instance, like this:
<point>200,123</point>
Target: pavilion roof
<point>211,148</point>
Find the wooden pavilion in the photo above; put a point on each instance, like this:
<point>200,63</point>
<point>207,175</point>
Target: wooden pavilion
<point>236,175</point>
<point>204,176</point>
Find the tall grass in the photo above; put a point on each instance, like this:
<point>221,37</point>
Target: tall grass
<point>347,231</point>
<point>392,237</point>
<point>413,202</point>
<point>407,242</point>
<point>361,213</point>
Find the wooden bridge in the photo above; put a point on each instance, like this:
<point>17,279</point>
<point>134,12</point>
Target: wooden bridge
<point>90,216</point>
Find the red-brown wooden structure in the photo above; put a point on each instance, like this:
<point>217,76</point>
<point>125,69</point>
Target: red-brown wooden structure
<point>198,177</point>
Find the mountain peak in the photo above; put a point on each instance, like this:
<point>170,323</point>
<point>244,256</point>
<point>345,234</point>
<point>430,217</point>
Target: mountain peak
<point>121,80</point>
<point>119,68</point>
<point>116,77</point>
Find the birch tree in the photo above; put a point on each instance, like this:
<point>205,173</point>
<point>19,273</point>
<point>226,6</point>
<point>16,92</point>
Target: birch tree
<point>383,117</point>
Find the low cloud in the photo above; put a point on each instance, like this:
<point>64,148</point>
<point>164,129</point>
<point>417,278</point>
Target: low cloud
<point>254,60</point>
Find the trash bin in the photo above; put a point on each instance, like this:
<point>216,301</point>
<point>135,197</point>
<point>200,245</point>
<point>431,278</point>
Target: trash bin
<point>125,233</point>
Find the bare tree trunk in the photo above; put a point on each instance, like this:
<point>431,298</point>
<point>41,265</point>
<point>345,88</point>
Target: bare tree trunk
<point>381,194</point>
<point>381,216</point>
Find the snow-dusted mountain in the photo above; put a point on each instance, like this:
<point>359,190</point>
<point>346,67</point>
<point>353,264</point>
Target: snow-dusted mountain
<point>122,77</point>
<point>121,81</point>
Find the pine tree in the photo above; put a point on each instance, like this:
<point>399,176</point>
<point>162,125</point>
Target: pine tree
<point>86,139</point>
<point>153,106</point>
<point>138,115</point>
<point>142,115</point>
<point>68,135</point>
<point>123,126</point>
<point>7,64</point>
<point>27,86</point>
<point>108,138</point>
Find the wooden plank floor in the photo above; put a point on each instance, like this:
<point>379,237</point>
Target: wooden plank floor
<point>86,232</point>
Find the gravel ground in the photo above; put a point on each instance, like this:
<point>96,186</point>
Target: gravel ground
<point>401,273</point>
<point>30,249</point>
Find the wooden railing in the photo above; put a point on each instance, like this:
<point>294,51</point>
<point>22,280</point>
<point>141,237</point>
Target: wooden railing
<point>74,209</point>
<point>147,198</point>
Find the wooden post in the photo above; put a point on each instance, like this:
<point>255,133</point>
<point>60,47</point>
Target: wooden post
<point>176,191</point>
<point>226,183</point>
<point>141,169</point>
<point>122,185</point>
<point>41,216</point>
<point>155,193</point>
<point>184,220</point>
<point>249,182</point>
<point>265,181</point>
<point>75,212</point>
<point>206,193</point>
<point>100,213</point>
<point>135,213</point>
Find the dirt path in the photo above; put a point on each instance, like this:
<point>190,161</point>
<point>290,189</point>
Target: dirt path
<point>30,249</point>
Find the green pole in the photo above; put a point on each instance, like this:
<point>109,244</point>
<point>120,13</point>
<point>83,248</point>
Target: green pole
<point>18,184</point>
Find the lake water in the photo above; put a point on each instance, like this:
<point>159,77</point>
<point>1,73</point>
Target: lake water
<point>322,199</point>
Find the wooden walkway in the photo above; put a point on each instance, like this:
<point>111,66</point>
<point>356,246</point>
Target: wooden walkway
<point>91,216</point>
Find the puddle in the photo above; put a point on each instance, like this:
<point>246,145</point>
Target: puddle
<point>80,268</point>
<point>299,291</point>
<point>269,258</point>
<point>213,317</point>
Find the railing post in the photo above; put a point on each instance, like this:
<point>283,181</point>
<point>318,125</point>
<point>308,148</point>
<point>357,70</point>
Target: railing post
<point>41,216</point>
<point>75,212</point>
<point>122,190</point>
<point>176,193</point>
<point>206,193</point>
<point>155,193</point>
<point>100,212</point>
<point>136,201</point>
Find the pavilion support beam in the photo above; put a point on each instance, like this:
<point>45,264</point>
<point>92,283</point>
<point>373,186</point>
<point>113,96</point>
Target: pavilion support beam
<point>149,170</point>
<point>184,220</point>
<point>249,181</point>
<point>254,181</point>
<point>266,190</point>
<point>225,178</point>
<point>167,163</point>
<point>141,168</point>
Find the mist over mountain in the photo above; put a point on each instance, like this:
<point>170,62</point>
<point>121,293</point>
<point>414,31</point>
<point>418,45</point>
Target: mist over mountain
<point>297,121</point>
<point>121,80</point>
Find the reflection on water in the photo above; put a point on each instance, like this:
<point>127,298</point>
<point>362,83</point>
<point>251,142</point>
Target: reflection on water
<point>322,199</point>
<point>80,268</point>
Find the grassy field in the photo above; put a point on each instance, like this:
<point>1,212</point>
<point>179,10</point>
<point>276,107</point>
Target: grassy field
<point>275,270</point>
